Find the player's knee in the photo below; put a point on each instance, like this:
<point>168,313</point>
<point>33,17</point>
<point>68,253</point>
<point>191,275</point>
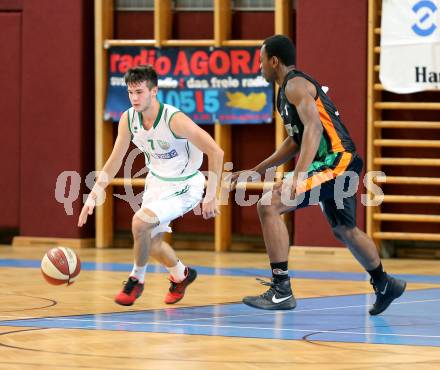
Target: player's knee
<point>155,250</point>
<point>138,226</point>
<point>141,224</point>
<point>344,233</point>
<point>338,234</point>
<point>265,210</point>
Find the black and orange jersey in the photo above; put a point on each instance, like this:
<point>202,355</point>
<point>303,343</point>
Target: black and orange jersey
<point>335,137</point>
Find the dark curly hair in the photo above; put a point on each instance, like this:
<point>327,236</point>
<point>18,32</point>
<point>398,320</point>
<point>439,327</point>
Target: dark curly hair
<point>282,47</point>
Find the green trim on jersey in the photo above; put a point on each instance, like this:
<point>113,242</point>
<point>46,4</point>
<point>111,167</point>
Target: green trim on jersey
<point>159,115</point>
<point>129,123</point>
<point>317,166</point>
<point>323,150</point>
<point>140,120</point>
<point>328,161</point>
<point>188,154</point>
<point>148,157</point>
<point>169,126</point>
<point>183,178</point>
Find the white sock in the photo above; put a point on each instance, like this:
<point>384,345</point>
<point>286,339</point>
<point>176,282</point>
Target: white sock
<point>177,272</point>
<point>139,272</point>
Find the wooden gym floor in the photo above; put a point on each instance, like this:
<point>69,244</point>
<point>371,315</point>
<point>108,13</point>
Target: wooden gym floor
<point>80,327</point>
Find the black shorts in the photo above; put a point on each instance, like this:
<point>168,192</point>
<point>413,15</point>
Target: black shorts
<point>329,185</point>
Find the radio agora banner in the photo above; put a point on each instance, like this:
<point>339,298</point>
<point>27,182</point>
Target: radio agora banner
<point>208,84</point>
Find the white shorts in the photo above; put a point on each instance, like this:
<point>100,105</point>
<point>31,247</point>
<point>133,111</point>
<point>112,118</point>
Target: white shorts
<point>171,199</point>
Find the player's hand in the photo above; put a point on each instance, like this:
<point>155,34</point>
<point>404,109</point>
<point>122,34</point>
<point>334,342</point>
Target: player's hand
<point>293,186</point>
<point>87,209</point>
<point>234,178</point>
<point>283,185</point>
<point>277,187</point>
<point>210,208</point>
<point>236,175</point>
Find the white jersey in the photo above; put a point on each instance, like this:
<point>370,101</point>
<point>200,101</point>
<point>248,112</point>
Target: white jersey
<point>167,156</point>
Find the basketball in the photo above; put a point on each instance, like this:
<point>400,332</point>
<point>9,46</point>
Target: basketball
<point>60,266</point>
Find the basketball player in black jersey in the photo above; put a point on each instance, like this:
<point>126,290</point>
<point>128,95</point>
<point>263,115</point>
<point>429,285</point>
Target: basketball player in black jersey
<point>326,156</point>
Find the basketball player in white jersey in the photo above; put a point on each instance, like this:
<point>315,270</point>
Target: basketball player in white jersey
<point>173,146</point>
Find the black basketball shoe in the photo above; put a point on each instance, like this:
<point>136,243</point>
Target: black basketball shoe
<point>392,289</point>
<point>278,297</point>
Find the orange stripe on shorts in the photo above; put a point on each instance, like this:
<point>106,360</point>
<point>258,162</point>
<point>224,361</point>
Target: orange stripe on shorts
<point>326,175</point>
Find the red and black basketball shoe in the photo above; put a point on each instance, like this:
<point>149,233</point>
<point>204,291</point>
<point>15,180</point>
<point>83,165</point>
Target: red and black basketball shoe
<point>177,290</point>
<point>132,290</point>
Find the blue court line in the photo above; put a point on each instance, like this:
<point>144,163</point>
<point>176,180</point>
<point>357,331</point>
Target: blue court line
<point>203,270</point>
<point>414,319</point>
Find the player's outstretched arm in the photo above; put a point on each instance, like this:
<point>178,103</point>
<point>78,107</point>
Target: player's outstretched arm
<point>184,127</point>
<point>283,154</point>
<point>287,150</point>
<point>109,170</point>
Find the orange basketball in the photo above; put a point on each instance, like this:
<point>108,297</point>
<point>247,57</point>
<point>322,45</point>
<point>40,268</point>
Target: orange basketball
<point>60,266</point>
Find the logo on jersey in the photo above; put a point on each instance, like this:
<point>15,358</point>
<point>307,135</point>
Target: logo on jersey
<point>163,144</point>
<point>168,155</point>
<point>291,129</point>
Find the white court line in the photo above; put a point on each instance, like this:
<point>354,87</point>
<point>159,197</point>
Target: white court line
<point>206,318</point>
<point>295,311</point>
<point>316,331</point>
<point>98,322</point>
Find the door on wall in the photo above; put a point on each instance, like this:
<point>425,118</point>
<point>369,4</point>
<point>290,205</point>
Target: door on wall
<point>10,77</point>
